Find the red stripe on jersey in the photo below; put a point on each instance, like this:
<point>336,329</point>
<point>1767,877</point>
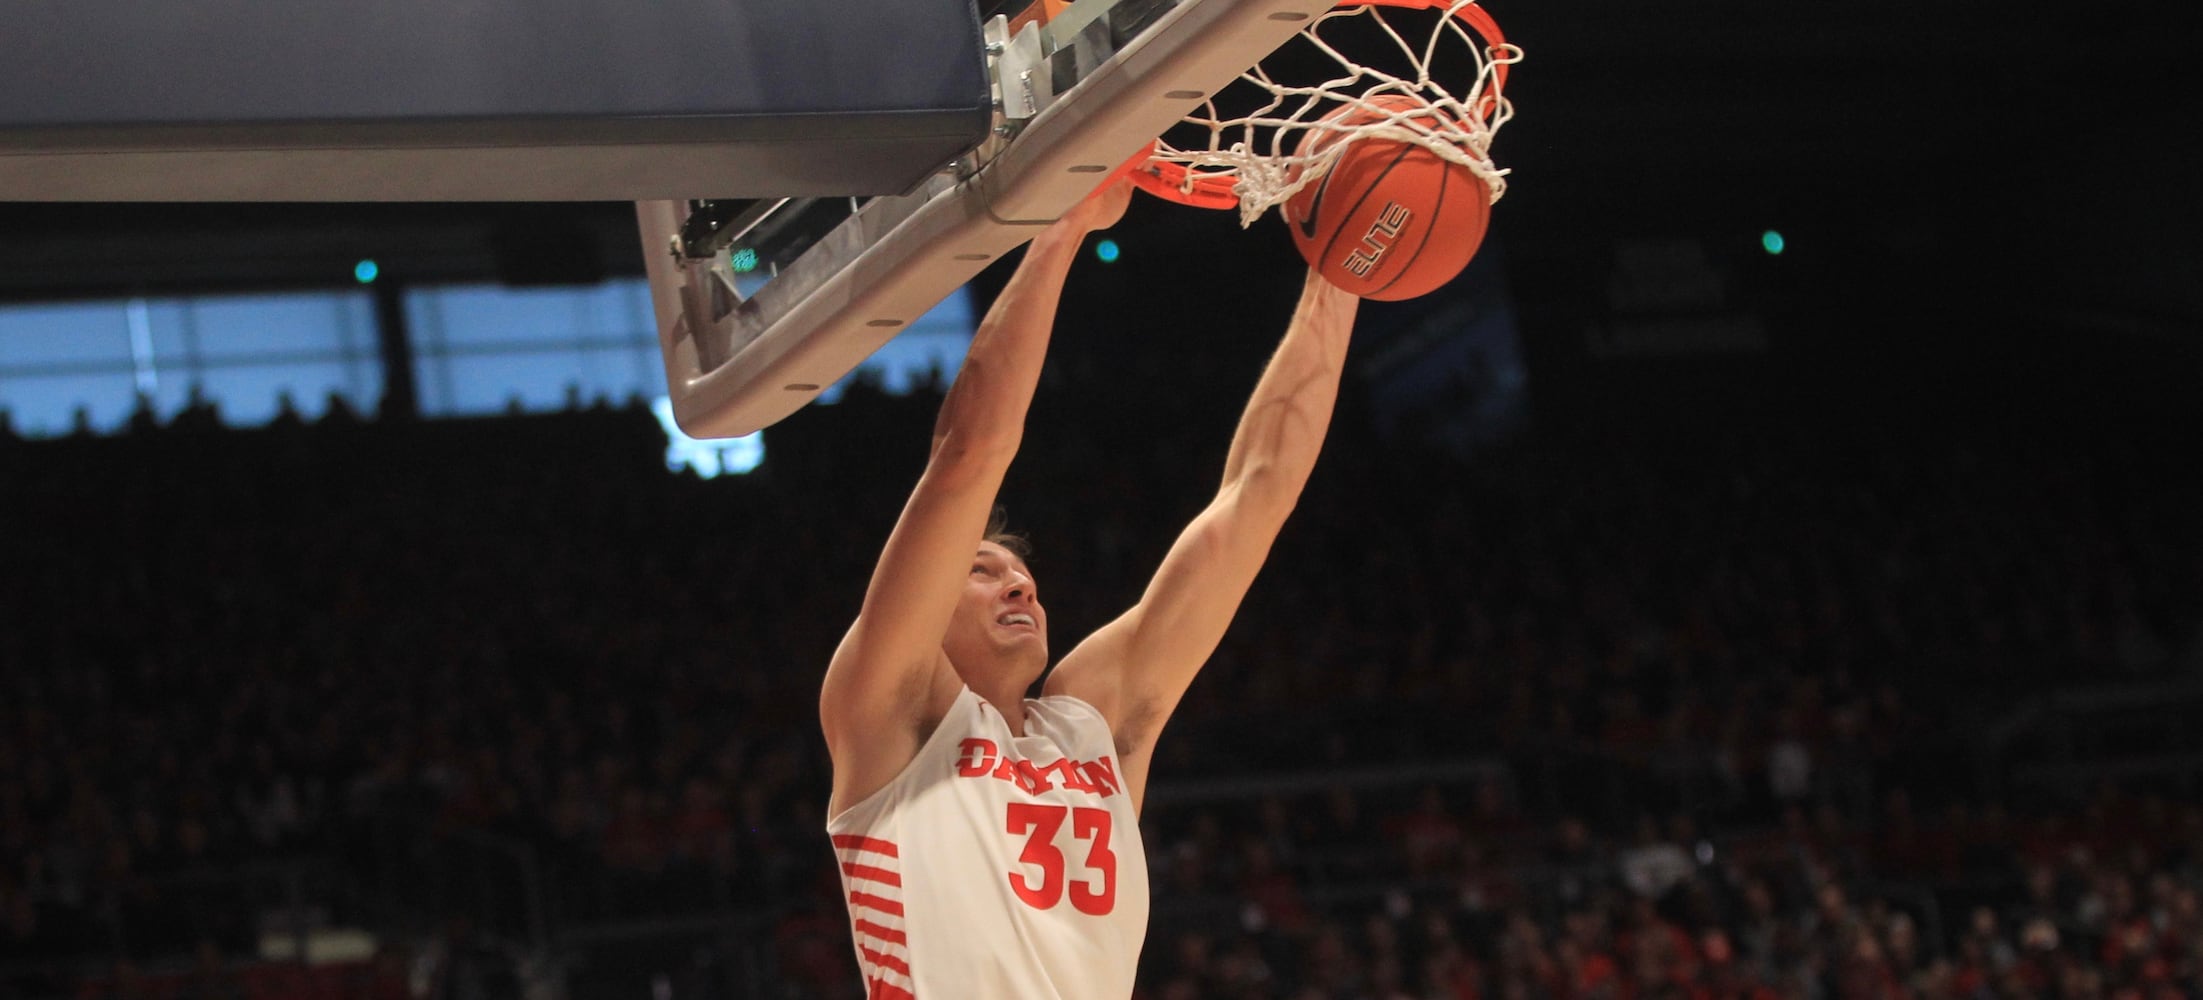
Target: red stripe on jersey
<point>883,990</point>
<point>871,874</point>
<point>872,902</point>
<point>873,844</point>
<point>884,935</point>
<point>885,961</point>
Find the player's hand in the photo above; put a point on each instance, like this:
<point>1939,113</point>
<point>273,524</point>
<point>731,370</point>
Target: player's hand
<point>1103,208</point>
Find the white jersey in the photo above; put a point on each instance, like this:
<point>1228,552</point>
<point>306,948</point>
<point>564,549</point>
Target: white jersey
<point>999,865</point>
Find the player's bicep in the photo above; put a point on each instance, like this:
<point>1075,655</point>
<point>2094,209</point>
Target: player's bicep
<point>1137,667</point>
<point>896,639</point>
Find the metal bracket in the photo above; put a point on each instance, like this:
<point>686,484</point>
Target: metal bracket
<point>1019,87</point>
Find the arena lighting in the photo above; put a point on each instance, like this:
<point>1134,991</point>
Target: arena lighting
<point>707,459</point>
<point>1772,242</point>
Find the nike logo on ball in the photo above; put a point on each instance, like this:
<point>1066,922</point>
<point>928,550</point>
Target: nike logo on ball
<point>1315,208</point>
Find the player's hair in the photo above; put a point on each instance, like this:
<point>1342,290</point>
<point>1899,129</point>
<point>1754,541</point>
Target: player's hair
<point>998,531</point>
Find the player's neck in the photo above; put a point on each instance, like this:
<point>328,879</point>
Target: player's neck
<point>1011,706</point>
<point>1003,690</point>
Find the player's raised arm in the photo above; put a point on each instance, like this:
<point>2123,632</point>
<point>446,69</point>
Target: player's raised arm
<point>1135,668</point>
<point>885,680</point>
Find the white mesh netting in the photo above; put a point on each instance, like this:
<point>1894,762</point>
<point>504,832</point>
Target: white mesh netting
<point>1258,156</point>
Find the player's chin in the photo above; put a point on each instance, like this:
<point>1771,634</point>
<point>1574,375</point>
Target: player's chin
<point>1021,641</point>
<point>1033,660</point>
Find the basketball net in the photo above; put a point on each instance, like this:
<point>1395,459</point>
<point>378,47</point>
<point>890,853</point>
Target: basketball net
<point>1253,161</point>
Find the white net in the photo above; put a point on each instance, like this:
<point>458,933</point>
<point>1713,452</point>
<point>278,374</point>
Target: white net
<point>1395,86</point>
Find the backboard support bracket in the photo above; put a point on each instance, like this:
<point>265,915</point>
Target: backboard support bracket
<point>736,365</point>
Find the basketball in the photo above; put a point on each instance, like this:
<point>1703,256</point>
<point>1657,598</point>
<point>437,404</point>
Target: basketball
<point>1391,220</point>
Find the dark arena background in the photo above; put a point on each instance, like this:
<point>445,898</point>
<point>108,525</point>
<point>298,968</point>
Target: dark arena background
<point>1773,570</point>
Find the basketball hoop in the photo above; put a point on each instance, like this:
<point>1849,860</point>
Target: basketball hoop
<point>1258,159</point>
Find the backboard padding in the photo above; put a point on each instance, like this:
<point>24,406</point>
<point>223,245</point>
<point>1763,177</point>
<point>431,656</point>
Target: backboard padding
<point>484,100</point>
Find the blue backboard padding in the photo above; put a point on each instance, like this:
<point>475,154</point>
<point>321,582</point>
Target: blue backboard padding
<point>127,62</point>
<point>866,76</point>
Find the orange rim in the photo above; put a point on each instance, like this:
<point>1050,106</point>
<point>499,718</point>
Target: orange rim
<point>1168,180</point>
<point>1165,179</point>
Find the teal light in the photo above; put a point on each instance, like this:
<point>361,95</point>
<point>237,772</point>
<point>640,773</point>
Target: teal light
<point>1107,251</point>
<point>365,272</point>
<point>1771,241</point>
<point>744,260</point>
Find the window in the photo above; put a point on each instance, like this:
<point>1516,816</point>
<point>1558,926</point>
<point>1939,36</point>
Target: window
<point>478,350</point>
<point>481,350</point>
<point>241,353</point>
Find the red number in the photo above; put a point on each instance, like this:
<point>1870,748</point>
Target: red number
<point>1040,849</point>
<point>1088,823</point>
<point>1039,824</point>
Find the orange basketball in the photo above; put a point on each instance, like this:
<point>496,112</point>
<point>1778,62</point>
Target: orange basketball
<point>1392,220</point>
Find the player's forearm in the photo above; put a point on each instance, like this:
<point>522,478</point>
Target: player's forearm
<point>984,412</point>
<point>1282,430</point>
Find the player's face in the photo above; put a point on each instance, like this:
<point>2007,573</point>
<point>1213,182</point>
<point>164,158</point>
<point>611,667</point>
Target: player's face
<point>1000,611</point>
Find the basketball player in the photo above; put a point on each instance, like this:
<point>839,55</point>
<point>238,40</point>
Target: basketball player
<point>990,844</point>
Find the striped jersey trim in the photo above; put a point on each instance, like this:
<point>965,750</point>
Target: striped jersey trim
<point>880,989</point>
<point>870,873</point>
<point>884,935</point>
<point>853,842</point>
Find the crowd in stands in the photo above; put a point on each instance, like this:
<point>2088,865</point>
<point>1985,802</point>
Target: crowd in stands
<point>1694,721</point>
<point>1806,908</point>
